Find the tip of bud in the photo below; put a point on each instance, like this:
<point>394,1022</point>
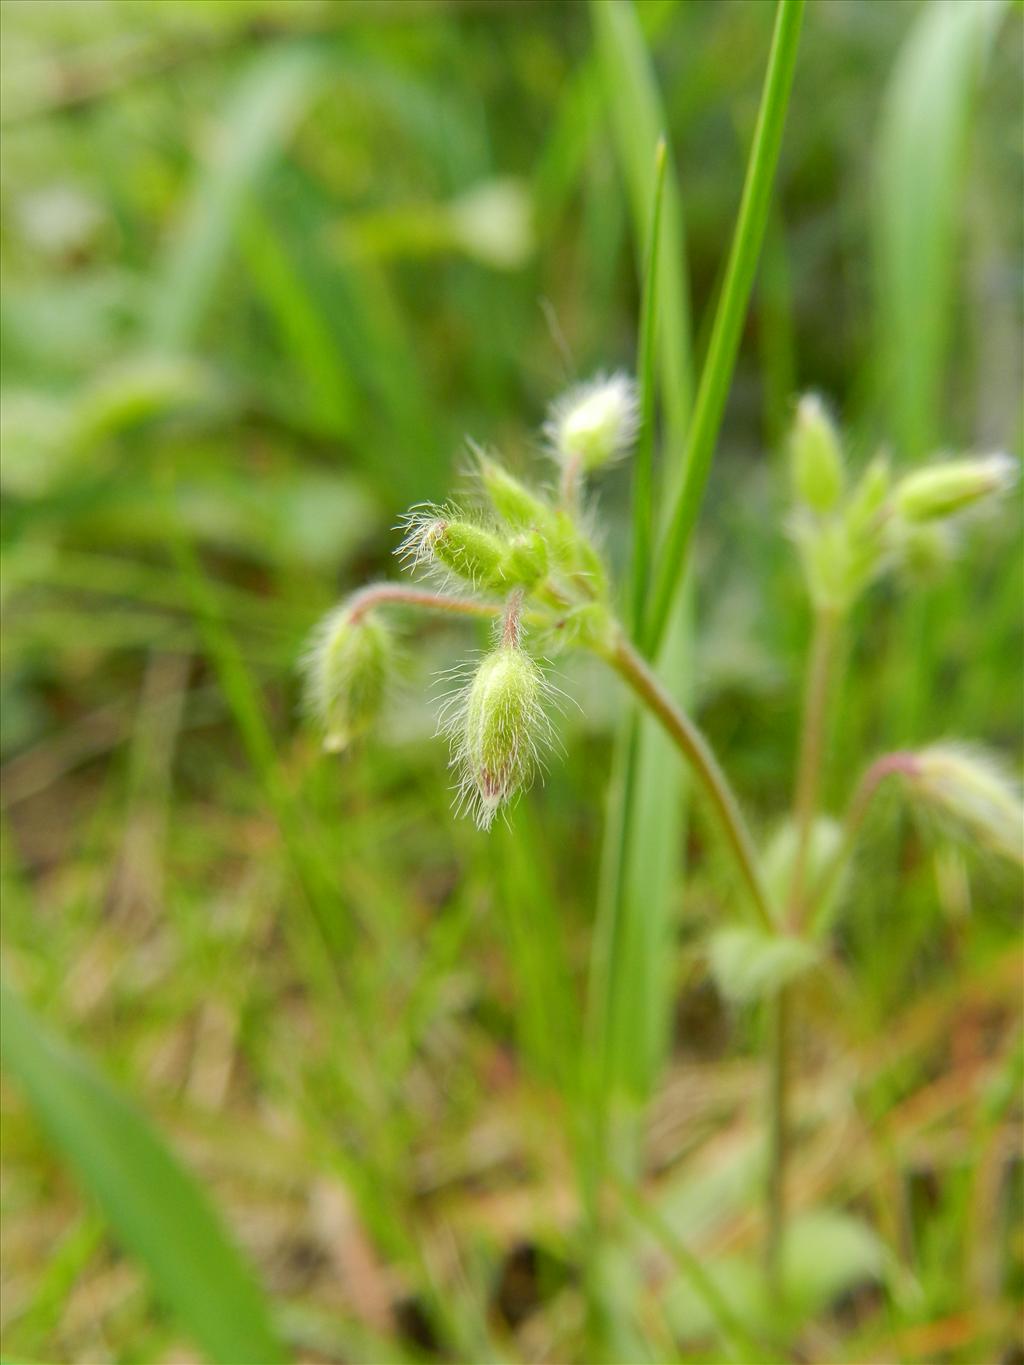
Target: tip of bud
<point>443,538</point>
<point>969,788</point>
<point>498,730</point>
<point>945,490</point>
<point>816,456</point>
<point>596,422</point>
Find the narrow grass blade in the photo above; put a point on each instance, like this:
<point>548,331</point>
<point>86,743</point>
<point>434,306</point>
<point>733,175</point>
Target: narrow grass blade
<point>732,306</point>
<point>643,473</point>
<point>257,118</point>
<point>156,1208</point>
<point>299,317</point>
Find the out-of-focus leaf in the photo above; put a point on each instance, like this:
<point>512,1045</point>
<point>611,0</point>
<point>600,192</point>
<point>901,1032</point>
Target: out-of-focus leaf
<point>826,1254</point>
<point>749,964</point>
<point>155,1207</point>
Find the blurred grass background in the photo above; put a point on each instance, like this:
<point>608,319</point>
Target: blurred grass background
<point>264,266</point>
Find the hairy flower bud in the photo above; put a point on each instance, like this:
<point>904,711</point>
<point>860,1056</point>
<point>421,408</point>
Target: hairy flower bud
<point>943,490</point>
<point>816,459</point>
<point>595,423</point>
<point>969,788</point>
<point>498,727</point>
<point>526,560</point>
<point>347,669</point>
<point>441,537</point>
<point>867,502</point>
<point>516,504</point>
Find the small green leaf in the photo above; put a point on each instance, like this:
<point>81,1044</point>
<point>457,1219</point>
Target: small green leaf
<point>156,1209</point>
<point>749,964</point>
<point>828,1252</point>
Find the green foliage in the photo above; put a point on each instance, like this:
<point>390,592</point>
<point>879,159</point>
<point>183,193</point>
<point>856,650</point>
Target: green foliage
<point>153,1205</point>
<point>264,265</point>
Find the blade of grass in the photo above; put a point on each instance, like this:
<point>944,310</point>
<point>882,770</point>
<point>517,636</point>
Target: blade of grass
<point>643,832</point>
<point>638,119</point>
<point>261,110</point>
<point>297,312</point>
<point>732,306</point>
<point>919,179</point>
<point>921,149</point>
<point>643,473</point>
<point>156,1208</point>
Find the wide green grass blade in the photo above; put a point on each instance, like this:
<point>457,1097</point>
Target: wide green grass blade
<point>732,306</point>
<point>155,1207</point>
<point>917,211</point>
<point>919,207</point>
<point>629,1002</point>
<point>259,114</point>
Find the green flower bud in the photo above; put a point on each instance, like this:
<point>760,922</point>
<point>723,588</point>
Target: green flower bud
<point>437,536</point>
<point>943,490</point>
<point>868,499</point>
<point>498,728</point>
<point>576,556</point>
<point>969,788</point>
<point>926,548</point>
<point>347,669</point>
<point>816,460</point>
<point>516,504</point>
<point>526,560</point>
<point>595,423</point>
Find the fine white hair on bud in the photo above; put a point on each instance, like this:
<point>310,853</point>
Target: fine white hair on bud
<point>595,423</point>
<point>444,538</point>
<point>969,789</point>
<point>498,729</point>
<point>347,667</point>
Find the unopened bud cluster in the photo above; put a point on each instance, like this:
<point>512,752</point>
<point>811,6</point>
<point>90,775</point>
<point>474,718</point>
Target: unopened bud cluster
<point>848,536</point>
<point>348,667</point>
<point>529,552</point>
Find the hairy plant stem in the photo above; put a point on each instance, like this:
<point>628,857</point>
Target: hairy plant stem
<point>381,594</point>
<point>812,751</point>
<point>781,1006</point>
<point>900,761</point>
<point>637,673</point>
<point>778,1027</point>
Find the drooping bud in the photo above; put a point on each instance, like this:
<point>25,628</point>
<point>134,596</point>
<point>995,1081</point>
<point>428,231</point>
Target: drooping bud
<point>969,788</point>
<point>498,728</point>
<point>816,460</point>
<point>943,490</point>
<point>347,668</point>
<point>595,423</point>
<point>440,537</point>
